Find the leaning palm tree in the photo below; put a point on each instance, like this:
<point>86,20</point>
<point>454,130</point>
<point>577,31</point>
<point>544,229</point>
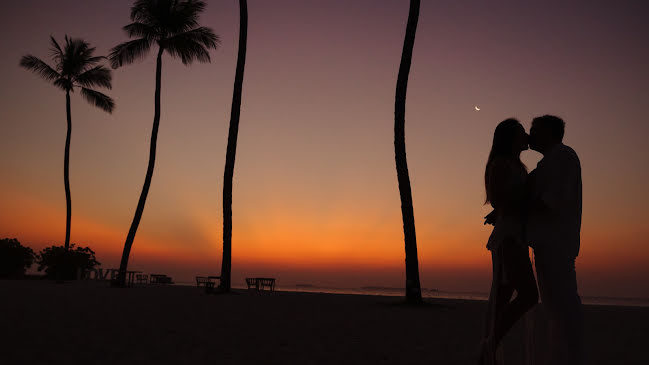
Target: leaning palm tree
<point>173,26</point>
<point>75,66</point>
<point>226,261</point>
<point>413,288</point>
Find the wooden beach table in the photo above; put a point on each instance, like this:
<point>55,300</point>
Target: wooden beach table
<point>129,276</point>
<point>160,279</point>
<point>207,281</point>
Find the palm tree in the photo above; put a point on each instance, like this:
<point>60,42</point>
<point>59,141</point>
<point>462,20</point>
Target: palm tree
<point>413,288</point>
<point>226,263</point>
<point>75,66</point>
<point>173,26</point>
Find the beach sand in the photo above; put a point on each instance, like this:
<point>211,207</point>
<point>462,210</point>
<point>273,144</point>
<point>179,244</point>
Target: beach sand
<point>44,322</point>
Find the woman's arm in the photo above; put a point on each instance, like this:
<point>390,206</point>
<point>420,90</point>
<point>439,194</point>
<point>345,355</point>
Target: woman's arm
<point>507,190</point>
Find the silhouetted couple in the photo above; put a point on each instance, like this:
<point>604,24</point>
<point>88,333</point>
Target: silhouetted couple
<point>541,209</point>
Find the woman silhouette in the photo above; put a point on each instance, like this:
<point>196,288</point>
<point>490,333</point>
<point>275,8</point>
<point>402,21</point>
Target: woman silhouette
<point>505,185</point>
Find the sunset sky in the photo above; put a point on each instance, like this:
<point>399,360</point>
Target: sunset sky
<point>315,188</point>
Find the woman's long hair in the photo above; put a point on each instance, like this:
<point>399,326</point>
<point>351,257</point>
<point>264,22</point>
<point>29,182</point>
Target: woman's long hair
<point>502,148</point>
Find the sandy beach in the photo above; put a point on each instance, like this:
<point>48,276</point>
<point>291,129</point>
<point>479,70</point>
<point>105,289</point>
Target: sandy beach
<point>88,322</point>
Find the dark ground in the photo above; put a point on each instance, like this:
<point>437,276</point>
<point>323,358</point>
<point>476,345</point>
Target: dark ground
<point>89,323</point>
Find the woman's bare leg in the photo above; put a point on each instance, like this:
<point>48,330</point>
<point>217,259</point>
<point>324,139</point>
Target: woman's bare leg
<point>520,278</point>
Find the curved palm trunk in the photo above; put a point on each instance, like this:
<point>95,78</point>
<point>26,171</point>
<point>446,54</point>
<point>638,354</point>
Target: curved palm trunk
<point>413,289</point>
<point>66,173</point>
<point>226,263</point>
<point>149,173</point>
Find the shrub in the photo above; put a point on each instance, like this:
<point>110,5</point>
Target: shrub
<point>14,258</point>
<point>64,265</point>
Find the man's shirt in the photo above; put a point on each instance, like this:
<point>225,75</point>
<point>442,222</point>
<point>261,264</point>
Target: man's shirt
<point>557,184</point>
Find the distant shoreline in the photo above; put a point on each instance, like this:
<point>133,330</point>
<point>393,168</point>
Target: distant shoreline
<point>436,294</point>
<point>426,293</point>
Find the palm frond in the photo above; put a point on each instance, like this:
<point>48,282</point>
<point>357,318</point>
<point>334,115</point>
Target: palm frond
<point>190,9</point>
<point>63,84</point>
<point>39,67</point>
<point>202,35</point>
<point>128,52</point>
<point>55,45</point>
<point>75,66</point>
<point>56,52</point>
<point>96,76</point>
<point>187,50</point>
<point>78,56</point>
<point>173,24</point>
<point>192,45</point>
<point>168,17</point>
<point>184,15</point>
<point>141,30</point>
<point>102,101</point>
<point>144,10</point>
<point>93,60</point>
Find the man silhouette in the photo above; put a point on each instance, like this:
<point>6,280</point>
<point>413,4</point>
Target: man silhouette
<point>553,231</point>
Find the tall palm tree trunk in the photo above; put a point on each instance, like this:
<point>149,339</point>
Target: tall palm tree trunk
<point>66,172</point>
<point>413,288</point>
<point>149,173</point>
<point>228,174</point>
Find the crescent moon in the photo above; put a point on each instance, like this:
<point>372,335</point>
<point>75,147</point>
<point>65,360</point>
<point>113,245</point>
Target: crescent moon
<point>476,108</point>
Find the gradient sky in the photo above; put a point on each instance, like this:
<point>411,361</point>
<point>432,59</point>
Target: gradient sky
<point>315,195</point>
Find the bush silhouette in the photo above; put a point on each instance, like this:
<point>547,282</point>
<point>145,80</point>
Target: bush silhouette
<point>62,264</point>
<point>14,258</point>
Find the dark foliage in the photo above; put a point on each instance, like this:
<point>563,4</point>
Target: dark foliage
<point>59,263</point>
<point>172,24</point>
<point>75,66</point>
<point>14,258</point>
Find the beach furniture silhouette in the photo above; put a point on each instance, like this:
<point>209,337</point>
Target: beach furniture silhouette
<point>209,282</point>
<point>160,279</point>
<point>141,279</point>
<point>259,284</point>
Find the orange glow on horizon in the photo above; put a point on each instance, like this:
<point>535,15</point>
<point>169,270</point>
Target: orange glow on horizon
<point>342,247</point>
